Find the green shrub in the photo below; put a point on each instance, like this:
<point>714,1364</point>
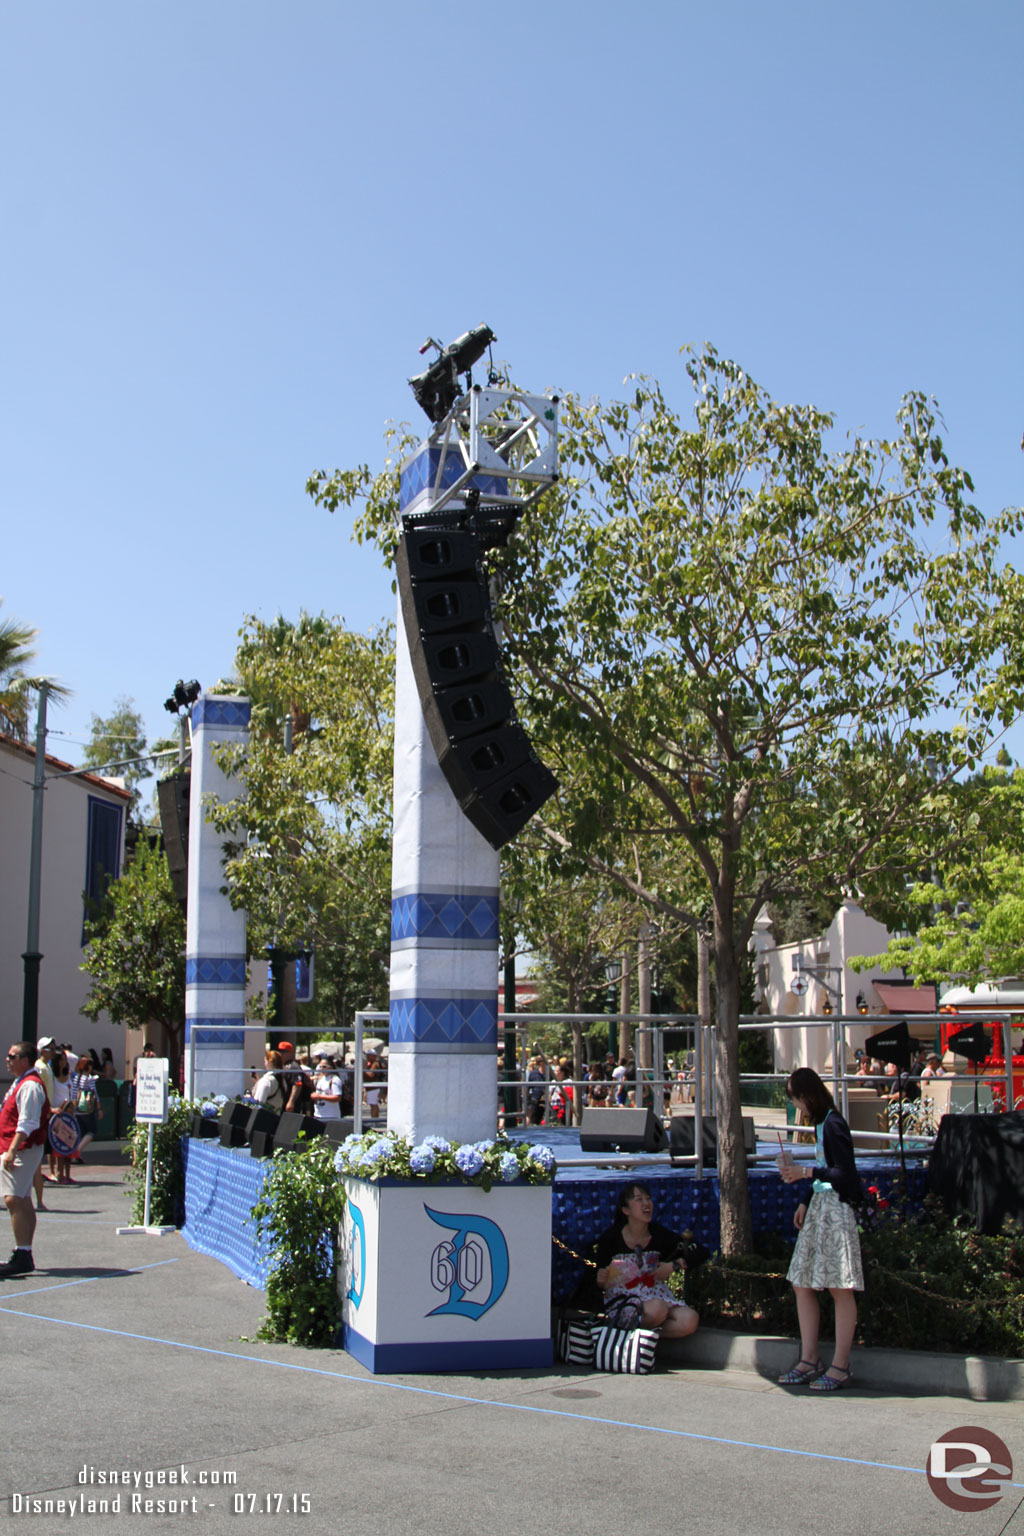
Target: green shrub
<point>299,1211</point>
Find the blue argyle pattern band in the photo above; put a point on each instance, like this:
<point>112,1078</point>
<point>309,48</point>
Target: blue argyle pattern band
<point>215,971</point>
<point>419,473</point>
<point>457,1024</point>
<point>443,916</point>
<point>226,713</point>
<point>225,1030</point>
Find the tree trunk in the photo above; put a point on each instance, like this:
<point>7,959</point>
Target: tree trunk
<point>737,1230</point>
<point>625,1039</point>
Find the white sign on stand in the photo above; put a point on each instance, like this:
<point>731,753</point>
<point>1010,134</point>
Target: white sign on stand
<point>151,1080</point>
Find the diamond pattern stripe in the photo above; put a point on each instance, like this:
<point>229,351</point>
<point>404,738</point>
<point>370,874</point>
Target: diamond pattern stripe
<point>440,915</point>
<point>444,1020</point>
<point>215,971</point>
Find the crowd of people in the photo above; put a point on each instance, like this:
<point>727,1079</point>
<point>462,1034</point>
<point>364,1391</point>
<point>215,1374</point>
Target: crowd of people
<point>323,1087</point>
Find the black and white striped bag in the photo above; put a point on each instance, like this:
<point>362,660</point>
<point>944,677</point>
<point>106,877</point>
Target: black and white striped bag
<point>629,1352</point>
<point>574,1340</point>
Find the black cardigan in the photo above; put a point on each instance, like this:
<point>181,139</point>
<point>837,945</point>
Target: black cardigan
<point>839,1168</point>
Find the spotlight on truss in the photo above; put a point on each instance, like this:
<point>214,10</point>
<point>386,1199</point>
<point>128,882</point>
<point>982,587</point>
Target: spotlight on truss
<point>437,387</point>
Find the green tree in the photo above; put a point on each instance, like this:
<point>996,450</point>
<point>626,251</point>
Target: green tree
<point>135,950</point>
<point>119,740</point>
<point>310,833</point>
<point>733,638</point>
<point>967,918</point>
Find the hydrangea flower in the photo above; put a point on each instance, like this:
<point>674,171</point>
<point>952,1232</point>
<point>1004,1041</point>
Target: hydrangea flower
<point>340,1161</point>
<point>508,1167</point>
<point>469,1160</point>
<point>422,1158</point>
<point>438,1143</point>
<point>484,1146</point>
<point>543,1157</point>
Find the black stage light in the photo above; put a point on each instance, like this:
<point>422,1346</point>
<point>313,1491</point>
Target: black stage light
<point>437,387</point>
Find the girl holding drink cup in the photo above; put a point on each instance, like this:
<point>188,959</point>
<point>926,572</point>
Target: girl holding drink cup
<point>827,1252</point>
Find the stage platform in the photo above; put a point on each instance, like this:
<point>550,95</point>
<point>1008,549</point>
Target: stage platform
<point>222,1185</point>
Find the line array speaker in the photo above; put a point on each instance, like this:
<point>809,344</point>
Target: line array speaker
<point>173,797</point>
<point>482,750</point>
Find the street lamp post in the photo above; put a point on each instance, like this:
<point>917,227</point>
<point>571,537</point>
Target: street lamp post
<point>32,956</point>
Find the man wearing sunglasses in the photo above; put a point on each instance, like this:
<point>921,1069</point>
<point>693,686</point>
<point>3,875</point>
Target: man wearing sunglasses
<point>23,1117</point>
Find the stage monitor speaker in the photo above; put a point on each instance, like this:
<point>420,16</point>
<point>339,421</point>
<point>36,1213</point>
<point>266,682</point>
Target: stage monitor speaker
<point>682,1138</point>
<point>262,1144</point>
<point>972,1043</point>
<point>233,1120</point>
<point>205,1128</point>
<point>892,1044</point>
<point>503,808</point>
<point>622,1130</point>
<point>337,1130</point>
<point>173,799</point>
<point>260,1119</point>
<point>291,1125</point>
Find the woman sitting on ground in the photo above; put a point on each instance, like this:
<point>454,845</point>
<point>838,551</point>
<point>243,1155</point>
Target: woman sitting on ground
<point>634,1260</point>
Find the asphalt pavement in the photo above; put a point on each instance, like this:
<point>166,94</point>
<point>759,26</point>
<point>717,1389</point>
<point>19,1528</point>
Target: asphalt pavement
<point>132,1373</point>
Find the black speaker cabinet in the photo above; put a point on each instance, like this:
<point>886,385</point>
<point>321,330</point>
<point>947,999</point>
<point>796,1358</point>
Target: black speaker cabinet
<point>233,1120</point>
<point>682,1139</point>
<point>205,1127</point>
<point>260,1119</point>
<point>173,799</point>
<point>622,1130</point>
<point>972,1043</point>
<point>503,808</point>
<point>291,1125</point>
<point>435,554</point>
<point>337,1130</point>
<point>262,1144</point>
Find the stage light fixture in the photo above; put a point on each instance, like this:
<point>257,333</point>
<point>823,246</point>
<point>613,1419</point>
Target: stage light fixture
<point>862,1003</point>
<point>437,387</point>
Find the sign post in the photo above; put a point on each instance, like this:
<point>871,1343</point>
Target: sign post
<point>150,1106</point>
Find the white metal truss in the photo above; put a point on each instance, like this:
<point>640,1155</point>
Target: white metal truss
<point>503,434</point>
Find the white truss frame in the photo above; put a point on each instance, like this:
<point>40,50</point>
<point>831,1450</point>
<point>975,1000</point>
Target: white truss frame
<point>503,433</point>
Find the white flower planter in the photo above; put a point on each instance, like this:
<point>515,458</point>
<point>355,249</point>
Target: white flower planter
<point>443,1277</point>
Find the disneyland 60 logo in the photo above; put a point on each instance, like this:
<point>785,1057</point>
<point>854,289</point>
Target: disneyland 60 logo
<point>968,1468</point>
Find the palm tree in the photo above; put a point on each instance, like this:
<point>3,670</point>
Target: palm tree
<point>16,652</point>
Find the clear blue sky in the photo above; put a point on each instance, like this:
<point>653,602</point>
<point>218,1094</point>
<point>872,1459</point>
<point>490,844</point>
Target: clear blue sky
<point>228,228</point>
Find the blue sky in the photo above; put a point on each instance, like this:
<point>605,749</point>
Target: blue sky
<point>229,228</point>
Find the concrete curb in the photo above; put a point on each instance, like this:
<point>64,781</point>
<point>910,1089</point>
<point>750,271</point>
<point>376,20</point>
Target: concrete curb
<point>983,1379</point>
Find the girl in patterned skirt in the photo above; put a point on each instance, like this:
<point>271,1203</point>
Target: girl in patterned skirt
<point>827,1252</point>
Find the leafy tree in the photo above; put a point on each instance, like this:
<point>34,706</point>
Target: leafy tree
<point>120,740</point>
<point>967,918</point>
<point>135,950</point>
<point>734,640</point>
<point>310,835</point>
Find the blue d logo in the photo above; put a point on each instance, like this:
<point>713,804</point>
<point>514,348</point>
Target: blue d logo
<point>460,1264</point>
<point>356,1255</point>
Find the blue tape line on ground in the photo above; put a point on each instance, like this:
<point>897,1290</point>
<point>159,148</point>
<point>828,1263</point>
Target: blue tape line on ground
<point>476,1402</point>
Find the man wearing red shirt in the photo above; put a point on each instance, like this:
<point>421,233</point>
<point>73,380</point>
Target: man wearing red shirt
<point>23,1117</point>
